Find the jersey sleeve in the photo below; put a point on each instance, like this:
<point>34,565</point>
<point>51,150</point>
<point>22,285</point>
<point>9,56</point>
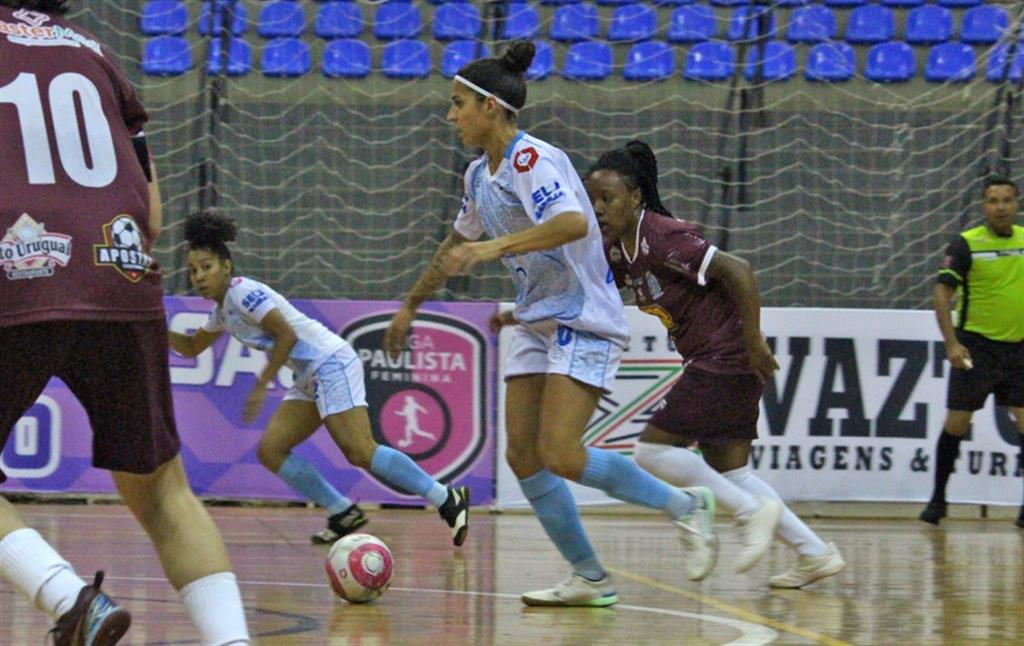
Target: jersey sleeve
<point>542,188</point>
<point>252,300</point>
<point>213,323</point>
<point>955,263</point>
<point>468,223</point>
<point>684,252</point>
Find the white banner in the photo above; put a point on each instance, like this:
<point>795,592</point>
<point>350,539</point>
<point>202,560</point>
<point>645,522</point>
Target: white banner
<point>853,414</point>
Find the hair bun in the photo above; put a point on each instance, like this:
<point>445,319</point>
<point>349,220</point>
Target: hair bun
<point>209,229</point>
<point>518,56</point>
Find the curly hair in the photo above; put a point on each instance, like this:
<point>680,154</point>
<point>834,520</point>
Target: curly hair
<point>211,231</point>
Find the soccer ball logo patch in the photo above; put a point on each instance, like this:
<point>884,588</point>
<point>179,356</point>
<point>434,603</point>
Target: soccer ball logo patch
<point>122,248</point>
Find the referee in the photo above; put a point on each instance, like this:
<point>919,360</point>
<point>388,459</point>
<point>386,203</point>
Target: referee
<point>983,272</point>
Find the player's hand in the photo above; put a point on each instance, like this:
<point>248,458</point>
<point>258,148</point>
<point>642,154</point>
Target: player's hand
<point>759,353</point>
<point>398,330</point>
<point>500,320</point>
<point>254,403</point>
<point>959,356</point>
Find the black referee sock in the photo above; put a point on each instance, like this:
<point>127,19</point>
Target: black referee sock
<point>946,451</point>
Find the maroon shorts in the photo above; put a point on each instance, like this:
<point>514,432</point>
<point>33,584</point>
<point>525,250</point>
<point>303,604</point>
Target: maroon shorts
<point>117,370</point>
<point>711,408</point>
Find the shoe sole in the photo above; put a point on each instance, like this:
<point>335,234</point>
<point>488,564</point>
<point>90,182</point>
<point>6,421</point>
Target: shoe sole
<point>600,602</point>
<point>113,628</point>
<point>460,535</point>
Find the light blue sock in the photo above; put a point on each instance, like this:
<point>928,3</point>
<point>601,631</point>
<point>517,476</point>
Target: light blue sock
<point>556,510</point>
<point>305,479</point>
<point>621,478</point>
<point>397,467</point>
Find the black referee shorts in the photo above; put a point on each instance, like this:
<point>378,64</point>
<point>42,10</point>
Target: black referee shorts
<point>998,369</point>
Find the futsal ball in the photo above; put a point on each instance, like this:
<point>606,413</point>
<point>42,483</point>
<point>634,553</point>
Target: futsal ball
<point>359,568</point>
<point>125,234</point>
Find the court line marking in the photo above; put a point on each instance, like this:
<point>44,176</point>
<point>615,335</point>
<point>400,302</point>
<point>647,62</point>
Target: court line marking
<point>752,633</point>
<point>742,613</point>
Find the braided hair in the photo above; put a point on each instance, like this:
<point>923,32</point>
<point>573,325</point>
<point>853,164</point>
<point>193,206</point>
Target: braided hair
<point>210,231</point>
<point>638,166</point>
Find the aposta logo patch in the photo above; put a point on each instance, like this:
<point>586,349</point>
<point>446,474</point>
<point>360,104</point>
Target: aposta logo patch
<point>525,159</point>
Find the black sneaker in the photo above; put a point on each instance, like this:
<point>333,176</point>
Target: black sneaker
<point>455,512</point>
<point>341,524</point>
<point>934,512</point>
<point>1020,518</point>
<point>94,620</point>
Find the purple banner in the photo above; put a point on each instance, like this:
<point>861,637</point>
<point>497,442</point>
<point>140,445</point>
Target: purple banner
<point>435,403</point>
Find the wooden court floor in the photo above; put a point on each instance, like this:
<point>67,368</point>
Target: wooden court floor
<point>905,583</point>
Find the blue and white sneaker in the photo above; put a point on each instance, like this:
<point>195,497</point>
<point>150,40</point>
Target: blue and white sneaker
<point>94,620</point>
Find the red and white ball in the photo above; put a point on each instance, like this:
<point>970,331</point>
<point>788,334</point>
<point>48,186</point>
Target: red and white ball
<point>359,568</point>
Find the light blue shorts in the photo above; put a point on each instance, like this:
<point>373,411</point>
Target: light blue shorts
<point>336,385</point>
<point>584,356</point>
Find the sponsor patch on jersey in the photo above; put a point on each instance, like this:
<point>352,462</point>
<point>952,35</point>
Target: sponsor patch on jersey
<point>122,249</point>
<point>28,250</point>
<point>545,196</point>
<point>34,34</point>
<point>653,286</point>
<point>254,299</point>
<point>525,159</point>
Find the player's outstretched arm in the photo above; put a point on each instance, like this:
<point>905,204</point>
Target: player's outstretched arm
<point>285,338</point>
<point>191,345</point>
<point>432,279</point>
<point>738,278</point>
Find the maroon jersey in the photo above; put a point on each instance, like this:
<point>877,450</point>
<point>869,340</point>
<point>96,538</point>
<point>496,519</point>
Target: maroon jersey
<point>74,201</point>
<point>666,273</point>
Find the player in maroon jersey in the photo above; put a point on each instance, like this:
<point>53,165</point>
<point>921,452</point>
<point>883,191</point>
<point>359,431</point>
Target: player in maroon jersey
<point>708,300</point>
<point>80,299</point>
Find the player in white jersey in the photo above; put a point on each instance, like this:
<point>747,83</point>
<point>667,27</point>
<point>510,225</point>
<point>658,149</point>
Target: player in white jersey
<point>328,387</point>
<point>569,328</point>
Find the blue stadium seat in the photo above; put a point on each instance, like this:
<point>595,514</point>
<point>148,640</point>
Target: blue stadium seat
<point>984,25</point>
<point>903,4</point>
<point>285,57</point>
<point>730,3</point>
<point>166,56</point>
<point>711,61</point>
<point>950,62</point>
<point>559,2</point>
<point>397,20</point>
<point>237,11</point>
<point>588,61</point>
<point>339,20</point>
<point>779,61</point>
<point>960,4</point>
<point>404,59</point>
<point>995,71</point>
<point>346,58</point>
<point>633,22</point>
<point>671,3</point>
<point>742,28</point>
<point>692,24</point>
<point>830,63</point>
<point>459,52</point>
<point>163,17</point>
<point>928,25</point>
<point>281,19</point>
<point>845,4</point>
<point>890,63</point>
<point>456,21</point>
<point>615,3</point>
<point>791,4</point>
<point>652,60</point>
<point>870,24</point>
<point>239,57</point>
<point>522,21</point>
<point>543,61</point>
<point>574,22</point>
<point>812,24</point>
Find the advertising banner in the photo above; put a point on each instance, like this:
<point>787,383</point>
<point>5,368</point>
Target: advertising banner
<point>853,413</point>
<point>435,403</point>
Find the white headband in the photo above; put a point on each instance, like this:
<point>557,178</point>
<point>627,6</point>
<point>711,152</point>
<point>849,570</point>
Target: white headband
<point>479,90</point>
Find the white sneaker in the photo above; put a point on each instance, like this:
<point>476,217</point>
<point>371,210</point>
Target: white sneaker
<point>575,591</point>
<point>756,532</point>
<point>697,533</point>
<point>809,569</point>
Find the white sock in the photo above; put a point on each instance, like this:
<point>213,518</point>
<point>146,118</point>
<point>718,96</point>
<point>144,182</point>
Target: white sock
<point>214,604</point>
<point>684,468</point>
<point>791,530</point>
<point>39,572</point>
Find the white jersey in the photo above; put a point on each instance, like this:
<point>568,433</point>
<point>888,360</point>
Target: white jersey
<point>245,304</point>
<point>571,284</point>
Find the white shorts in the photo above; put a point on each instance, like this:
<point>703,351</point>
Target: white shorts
<point>336,385</point>
<point>584,356</point>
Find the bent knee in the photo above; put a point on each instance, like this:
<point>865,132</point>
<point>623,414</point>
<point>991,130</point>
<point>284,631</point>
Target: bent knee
<point>270,456</point>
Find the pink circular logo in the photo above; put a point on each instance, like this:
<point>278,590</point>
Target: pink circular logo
<point>415,422</point>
